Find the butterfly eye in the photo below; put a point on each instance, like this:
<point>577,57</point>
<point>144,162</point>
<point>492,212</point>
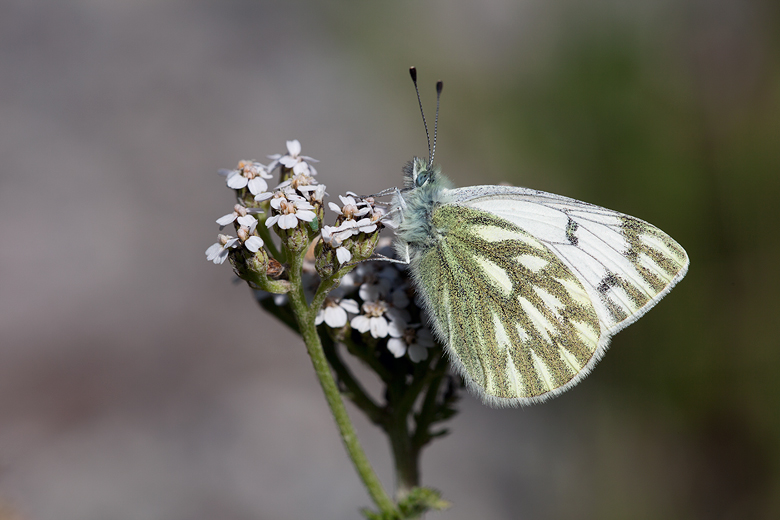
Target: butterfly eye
<point>422,177</point>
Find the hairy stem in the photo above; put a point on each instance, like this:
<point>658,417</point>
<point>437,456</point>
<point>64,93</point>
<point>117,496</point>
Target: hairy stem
<point>305,316</point>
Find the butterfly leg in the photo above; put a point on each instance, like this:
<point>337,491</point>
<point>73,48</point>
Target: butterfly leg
<point>385,192</point>
<point>382,258</point>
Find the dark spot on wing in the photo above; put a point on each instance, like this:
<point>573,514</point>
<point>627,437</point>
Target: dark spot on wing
<point>607,283</point>
<point>571,228</point>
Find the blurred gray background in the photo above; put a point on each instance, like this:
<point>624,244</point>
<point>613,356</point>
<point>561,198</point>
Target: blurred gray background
<point>138,382</point>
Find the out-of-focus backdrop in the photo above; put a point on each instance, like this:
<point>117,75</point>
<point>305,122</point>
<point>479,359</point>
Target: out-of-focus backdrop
<point>138,382</point>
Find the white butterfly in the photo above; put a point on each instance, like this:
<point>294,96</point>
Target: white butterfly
<point>526,288</point>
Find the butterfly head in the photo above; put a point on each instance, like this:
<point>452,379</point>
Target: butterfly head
<point>418,172</point>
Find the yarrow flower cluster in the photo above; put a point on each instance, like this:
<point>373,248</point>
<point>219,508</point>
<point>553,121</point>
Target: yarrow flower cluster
<point>323,282</point>
<point>355,217</point>
<point>373,299</point>
<point>290,209</point>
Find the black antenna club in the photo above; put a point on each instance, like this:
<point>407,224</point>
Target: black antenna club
<point>413,74</point>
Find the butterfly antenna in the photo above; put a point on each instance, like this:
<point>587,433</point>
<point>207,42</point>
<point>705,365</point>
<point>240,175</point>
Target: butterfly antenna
<point>439,86</point>
<point>413,74</point>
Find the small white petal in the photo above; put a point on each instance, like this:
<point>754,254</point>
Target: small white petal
<point>254,243</point>
<point>303,204</point>
<point>378,327</point>
<point>417,353</point>
<point>400,299</point>
<point>227,219</point>
<point>343,255</point>
<point>335,317</point>
<point>361,323</point>
<point>365,225</point>
<point>247,220</point>
<point>270,221</point>
<point>288,162</point>
<point>300,167</point>
<point>425,338</point>
<point>371,292</point>
<point>334,207</point>
<point>349,305</point>
<point>213,250</point>
<point>287,221</point>
<point>237,181</point>
<point>396,346</point>
<point>396,328</point>
<point>398,315</point>
<point>257,185</point>
<point>306,215</point>
<point>263,196</point>
<point>294,147</point>
<point>221,257</point>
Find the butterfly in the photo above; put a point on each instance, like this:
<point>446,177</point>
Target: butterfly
<point>525,288</point>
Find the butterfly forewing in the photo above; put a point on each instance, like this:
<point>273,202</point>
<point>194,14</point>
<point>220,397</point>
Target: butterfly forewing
<point>625,264</point>
<point>518,321</point>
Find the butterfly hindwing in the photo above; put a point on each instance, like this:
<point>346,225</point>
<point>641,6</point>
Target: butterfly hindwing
<point>526,288</point>
<point>517,321</point>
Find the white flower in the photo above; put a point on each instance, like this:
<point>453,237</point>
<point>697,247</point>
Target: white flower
<point>343,255</point>
<point>336,235</point>
<point>248,174</point>
<point>250,241</point>
<point>415,342</point>
<point>313,192</point>
<point>365,225</point>
<point>293,159</point>
<point>290,209</point>
<point>254,243</point>
<point>351,208</point>
<point>335,313</point>
<point>299,183</point>
<point>265,195</point>
<point>377,284</point>
<point>399,298</point>
<point>218,252</point>
<point>241,214</point>
<point>380,320</point>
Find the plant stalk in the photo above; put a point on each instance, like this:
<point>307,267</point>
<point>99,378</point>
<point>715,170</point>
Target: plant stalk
<point>308,330</point>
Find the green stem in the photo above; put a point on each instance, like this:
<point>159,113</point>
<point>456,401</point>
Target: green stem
<point>306,315</point>
<point>405,455</point>
<point>353,389</point>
